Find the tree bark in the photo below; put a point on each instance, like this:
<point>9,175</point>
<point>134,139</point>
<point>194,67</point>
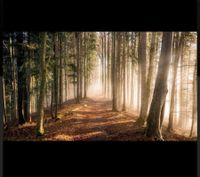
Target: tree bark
<point>28,81</point>
<point>160,91</point>
<point>118,85</point>
<point>77,35</point>
<point>139,79</point>
<point>124,73</point>
<point>133,46</point>
<point>150,71</point>
<point>20,62</point>
<point>142,58</point>
<point>85,66</point>
<point>178,46</point>
<point>14,95</point>
<point>108,65</point>
<point>40,124</point>
<point>66,71</point>
<point>56,74</point>
<point>181,115</point>
<point>61,73</point>
<point>114,95</point>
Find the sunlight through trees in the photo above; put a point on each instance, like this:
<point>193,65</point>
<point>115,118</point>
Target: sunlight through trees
<point>149,74</point>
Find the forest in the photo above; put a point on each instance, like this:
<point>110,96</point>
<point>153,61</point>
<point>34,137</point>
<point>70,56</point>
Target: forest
<point>100,86</point>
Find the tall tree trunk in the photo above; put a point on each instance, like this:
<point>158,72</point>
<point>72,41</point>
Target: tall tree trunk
<point>61,73</point>
<point>108,65</point>
<point>85,66</point>
<point>118,85</point>
<point>13,96</point>
<point>160,91</point>
<point>102,64</point>
<point>66,63</point>
<point>81,66</point>
<point>150,70</point>
<point>139,79</point>
<point>142,58</point>
<point>56,74</point>
<point>120,79</point>
<point>128,70</point>
<point>77,35</point>
<point>181,115</point>
<point>26,97</point>
<point>178,46</point>
<point>40,124</point>
<point>20,62</point>
<point>28,81</point>
<point>75,62</point>
<point>113,69</point>
<point>133,45</point>
<point>105,69</point>
<point>124,73</point>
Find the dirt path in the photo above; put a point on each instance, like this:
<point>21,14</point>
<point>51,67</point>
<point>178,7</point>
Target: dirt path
<point>91,120</point>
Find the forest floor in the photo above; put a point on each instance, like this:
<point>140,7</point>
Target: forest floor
<point>91,120</point>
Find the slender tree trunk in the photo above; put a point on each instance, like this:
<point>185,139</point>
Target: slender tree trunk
<point>56,74</point>
<point>105,70</point>
<point>78,65</point>
<point>75,62</point>
<point>26,95</point>
<point>120,79</point>
<point>20,77</point>
<point>66,63</point>
<point>108,66</point>
<point>113,69</point>
<point>181,115</point>
<point>40,124</point>
<point>133,45</point>
<point>124,73</point>
<point>139,83</point>
<point>160,91</point>
<point>149,79</point>
<point>13,96</point>
<point>150,70</point>
<point>61,73</point>
<point>178,47</point>
<point>102,63</point>
<point>118,70</point>
<point>81,66</point>
<point>128,70</point>
<point>28,81</point>
<point>85,67</point>
<point>142,58</point>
